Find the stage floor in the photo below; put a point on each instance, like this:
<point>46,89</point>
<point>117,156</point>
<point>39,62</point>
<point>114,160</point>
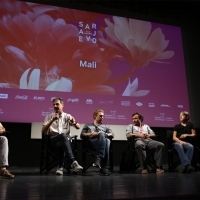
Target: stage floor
<point>28,184</point>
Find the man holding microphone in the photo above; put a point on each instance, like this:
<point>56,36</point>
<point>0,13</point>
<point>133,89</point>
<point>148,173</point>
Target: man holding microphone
<point>57,125</point>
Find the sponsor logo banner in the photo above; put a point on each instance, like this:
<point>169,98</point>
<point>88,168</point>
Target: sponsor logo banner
<point>22,97</point>
<point>75,100</point>
<point>89,101</point>
<point>165,105</point>
<point>163,117</point>
<point>39,98</point>
<point>151,105</point>
<point>125,103</point>
<point>139,104</point>
<point>180,106</point>
<point>45,113</point>
<point>113,115</point>
<point>3,96</point>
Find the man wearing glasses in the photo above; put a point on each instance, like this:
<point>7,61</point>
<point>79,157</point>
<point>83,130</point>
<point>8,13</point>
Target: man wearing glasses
<point>57,125</point>
<point>97,135</point>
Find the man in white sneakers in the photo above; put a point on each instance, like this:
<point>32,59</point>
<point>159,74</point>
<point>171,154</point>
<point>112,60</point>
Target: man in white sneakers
<point>57,125</point>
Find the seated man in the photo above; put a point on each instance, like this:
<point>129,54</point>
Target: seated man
<point>4,173</point>
<point>143,141</point>
<point>97,135</point>
<point>181,135</point>
<point>58,126</point>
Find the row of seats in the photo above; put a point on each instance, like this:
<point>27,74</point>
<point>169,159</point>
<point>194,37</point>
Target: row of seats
<point>48,158</point>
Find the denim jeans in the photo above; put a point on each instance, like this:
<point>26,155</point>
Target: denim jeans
<point>62,145</point>
<point>185,152</point>
<point>101,145</point>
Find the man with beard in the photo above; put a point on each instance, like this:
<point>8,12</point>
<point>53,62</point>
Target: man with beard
<point>57,125</point>
<point>143,140</point>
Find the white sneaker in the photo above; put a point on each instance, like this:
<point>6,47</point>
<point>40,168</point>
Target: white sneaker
<point>59,171</point>
<point>76,167</point>
<point>97,163</point>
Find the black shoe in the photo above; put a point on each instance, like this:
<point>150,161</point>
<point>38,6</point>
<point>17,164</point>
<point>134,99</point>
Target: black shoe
<point>181,169</point>
<point>188,169</point>
<point>97,163</point>
<point>104,172</point>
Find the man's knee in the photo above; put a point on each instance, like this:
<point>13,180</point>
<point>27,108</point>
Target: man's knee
<point>178,146</point>
<point>139,146</point>
<point>3,140</point>
<point>107,142</point>
<point>190,146</point>
<point>101,135</point>
<point>161,145</point>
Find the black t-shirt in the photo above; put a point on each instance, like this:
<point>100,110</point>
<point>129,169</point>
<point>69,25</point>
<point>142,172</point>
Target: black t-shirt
<point>180,129</point>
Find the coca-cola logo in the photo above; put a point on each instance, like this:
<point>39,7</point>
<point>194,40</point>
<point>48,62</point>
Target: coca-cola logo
<point>23,97</point>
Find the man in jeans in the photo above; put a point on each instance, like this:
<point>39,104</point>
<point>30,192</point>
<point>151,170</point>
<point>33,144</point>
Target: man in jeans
<point>57,125</point>
<point>97,135</point>
<point>4,173</point>
<point>181,136</point>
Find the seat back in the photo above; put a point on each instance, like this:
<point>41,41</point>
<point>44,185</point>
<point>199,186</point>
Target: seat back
<point>128,162</point>
<point>86,151</point>
<point>169,139</point>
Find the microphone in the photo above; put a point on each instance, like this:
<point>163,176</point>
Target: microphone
<point>57,111</point>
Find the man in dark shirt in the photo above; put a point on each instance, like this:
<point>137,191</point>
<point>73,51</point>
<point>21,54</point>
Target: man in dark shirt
<point>97,135</point>
<point>181,136</point>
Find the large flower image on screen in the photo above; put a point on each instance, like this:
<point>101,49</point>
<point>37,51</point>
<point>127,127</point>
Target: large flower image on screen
<point>135,41</point>
<point>44,54</point>
<point>40,50</point>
